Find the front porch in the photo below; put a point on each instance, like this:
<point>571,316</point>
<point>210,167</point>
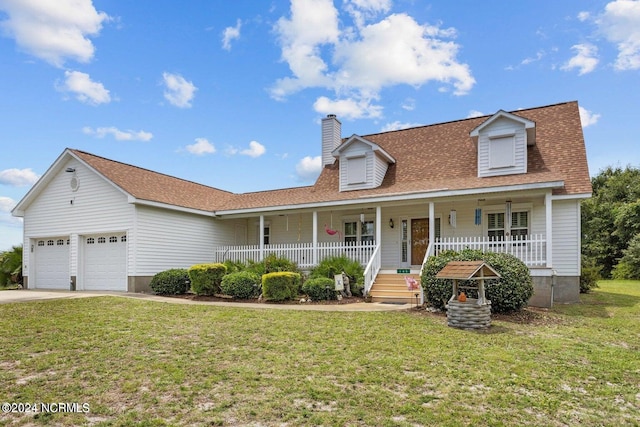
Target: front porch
<point>394,237</point>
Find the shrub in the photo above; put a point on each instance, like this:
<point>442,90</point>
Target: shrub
<point>510,293</point>
<point>242,284</point>
<point>206,278</point>
<point>280,286</point>
<point>234,266</point>
<point>629,265</point>
<point>320,289</point>
<point>333,265</point>
<point>272,264</point>
<point>589,275</point>
<point>171,282</point>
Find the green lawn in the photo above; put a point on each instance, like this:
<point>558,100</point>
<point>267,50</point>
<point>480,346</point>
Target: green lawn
<point>137,362</point>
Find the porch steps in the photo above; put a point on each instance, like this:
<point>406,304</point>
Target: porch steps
<point>392,288</point>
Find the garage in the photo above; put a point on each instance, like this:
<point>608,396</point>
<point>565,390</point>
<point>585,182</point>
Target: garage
<point>52,263</point>
<point>105,261</point>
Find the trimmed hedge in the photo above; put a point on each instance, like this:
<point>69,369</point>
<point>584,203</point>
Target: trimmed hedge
<point>320,289</point>
<point>510,293</point>
<point>281,286</point>
<point>206,278</point>
<point>171,282</point>
<point>242,285</point>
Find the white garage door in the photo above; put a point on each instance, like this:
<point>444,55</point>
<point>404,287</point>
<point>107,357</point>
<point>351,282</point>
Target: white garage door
<point>105,262</point>
<point>52,263</point>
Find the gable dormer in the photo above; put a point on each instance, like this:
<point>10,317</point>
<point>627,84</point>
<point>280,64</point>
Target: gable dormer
<point>502,142</point>
<point>363,164</point>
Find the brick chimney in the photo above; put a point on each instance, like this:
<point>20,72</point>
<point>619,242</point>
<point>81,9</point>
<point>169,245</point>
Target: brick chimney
<point>331,138</point>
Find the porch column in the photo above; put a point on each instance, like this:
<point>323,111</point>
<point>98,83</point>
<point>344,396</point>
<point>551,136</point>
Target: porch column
<point>432,225</point>
<point>315,238</point>
<point>548,204</point>
<point>378,225</point>
<point>261,237</point>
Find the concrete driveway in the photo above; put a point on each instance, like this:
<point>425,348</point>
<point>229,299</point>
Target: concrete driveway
<point>24,295</point>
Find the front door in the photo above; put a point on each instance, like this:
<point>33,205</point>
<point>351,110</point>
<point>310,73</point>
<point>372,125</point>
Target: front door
<point>419,240</point>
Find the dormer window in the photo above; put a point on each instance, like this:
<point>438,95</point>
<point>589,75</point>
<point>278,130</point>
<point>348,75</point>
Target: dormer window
<point>502,142</point>
<point>363,164</point>
<point>356,169</point>
<point>502,151</point>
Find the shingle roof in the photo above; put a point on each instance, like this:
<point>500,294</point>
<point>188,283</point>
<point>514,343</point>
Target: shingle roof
<point>444,156</point>
<point>428,158</point>
<point>152,186</point>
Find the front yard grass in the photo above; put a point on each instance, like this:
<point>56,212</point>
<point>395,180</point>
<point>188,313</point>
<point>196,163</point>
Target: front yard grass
<point>139,362</point>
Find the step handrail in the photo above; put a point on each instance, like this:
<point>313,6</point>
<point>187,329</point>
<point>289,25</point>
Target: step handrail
<point>371,270</point>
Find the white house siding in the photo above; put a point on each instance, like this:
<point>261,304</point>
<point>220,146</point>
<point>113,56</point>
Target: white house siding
<point>97,207</point>
<point>502,126</point>
<point>380,170</point>
<point>566,237</point>
<point>171,239</point>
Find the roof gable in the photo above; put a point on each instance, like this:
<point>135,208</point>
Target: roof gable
<point>353,139</point>
<point>529,125</point>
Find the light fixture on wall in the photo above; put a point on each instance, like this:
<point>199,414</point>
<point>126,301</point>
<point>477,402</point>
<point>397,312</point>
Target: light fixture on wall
<point>390,222</point>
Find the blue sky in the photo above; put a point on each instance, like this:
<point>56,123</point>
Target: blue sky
<point>230,93</point>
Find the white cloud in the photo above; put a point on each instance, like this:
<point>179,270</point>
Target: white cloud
<point>231,151</point>
<point>178,91</point>
<point>587,117</point>
<point>586,59</point>
<point>620,23</point>
<point>584,16</point>
<point>255,150</point>
<point>474,113</point>
<point>309,168</point>
<point>201,147</point>
<point>357,63</point>
<point>349,108</point>
<point>119,135</point>
<point>6,204</point>
<point>409,104</point>
<point>229,34</point>
<point>18,177</point>
<point>85,89</point>
<point>54,30</point>
<point>397,125</point>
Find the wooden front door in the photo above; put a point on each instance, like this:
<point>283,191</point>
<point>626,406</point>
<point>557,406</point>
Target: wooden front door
<point>419,240</point>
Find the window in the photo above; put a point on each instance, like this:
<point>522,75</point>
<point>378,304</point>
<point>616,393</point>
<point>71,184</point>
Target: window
<point>90,241</point>
<point>102,240</point>
<point>356,170</point>
<point>267,234</point>
<point>123,239</point>
<point>60,242</point>
<point>113,239</point>
<point>40,242</point>
<point>519,225</point>
<point>49,242</point>
<point>502,152</point>
<point>364,233</point>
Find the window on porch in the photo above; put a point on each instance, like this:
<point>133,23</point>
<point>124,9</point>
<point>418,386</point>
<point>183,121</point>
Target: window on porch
<point>364,233</point>
<point>519,225</point>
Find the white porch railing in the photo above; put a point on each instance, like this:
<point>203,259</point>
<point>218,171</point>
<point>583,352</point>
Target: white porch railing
<point>532,249</point>
<point>300,253</point>
<point>371,270</point>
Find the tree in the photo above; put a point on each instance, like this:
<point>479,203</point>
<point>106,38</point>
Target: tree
<point>11,266</point>
<point>611,218</point>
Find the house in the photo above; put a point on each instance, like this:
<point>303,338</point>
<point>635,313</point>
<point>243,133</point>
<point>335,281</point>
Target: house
<point>509,182</point>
